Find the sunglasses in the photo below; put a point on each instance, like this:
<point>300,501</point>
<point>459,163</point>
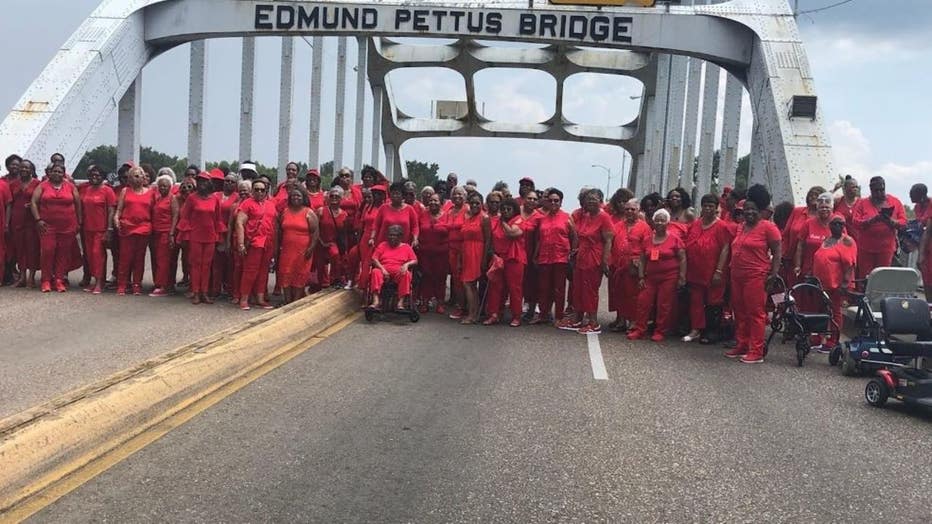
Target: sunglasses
<point>259,189</point>
<point>554,200</point>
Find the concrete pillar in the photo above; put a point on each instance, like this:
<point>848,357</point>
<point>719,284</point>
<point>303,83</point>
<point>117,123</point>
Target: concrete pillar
<point>317,58</point>
<point>246,97</point>
<point>198,76</point>
<point>128,123</point>
<point>376,125</point>
<point>707,132</point>
<point>658,136</point>
<point>691,120</point>
<point>338,137</point>
<point>390,152</point>
<point>674,132</point>
<point>731,123</point>
<point>361,56</point>
<point>285,101</point>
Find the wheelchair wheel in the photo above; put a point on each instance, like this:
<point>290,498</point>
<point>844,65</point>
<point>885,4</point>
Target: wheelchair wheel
<point>876,393</point>
<point>370,314</point>
<point>848,367</point>
<point>414,316</point>
<point>802,348</point>
<point>834,356</point>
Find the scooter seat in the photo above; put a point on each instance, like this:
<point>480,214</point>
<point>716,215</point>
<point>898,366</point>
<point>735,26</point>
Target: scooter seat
<point>910,349</point>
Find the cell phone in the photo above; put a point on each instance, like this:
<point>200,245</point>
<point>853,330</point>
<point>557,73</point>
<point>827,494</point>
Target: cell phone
<point>886,211</point>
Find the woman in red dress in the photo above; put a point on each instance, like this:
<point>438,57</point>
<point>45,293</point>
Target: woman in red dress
<point>433,253</point>
<point>661,270</point>
<point>508,244</point>
<point>529,214</point>
<point>331,221</point>
<point>877,218</point>
<point>707,242</point>
<point>397,212</point>
<point>454,217</point>
<point>811,235</point>
<point>556,238</point>
<point>161,263</point>
<point>133,219</point>
<point>202,212</point>
<point>221,274</point>
<point>316,197</point>
<point>629,235</point>
<point>23,230</point>
<point>98,203</point>
<point>255,242</point>
<point>851,193</point>
<point>790,233</point>
<point>477,240</point>
<point>56,206</point>
<point>297,225</point>
<point>244,189</point>
<point>179,234</point>
<point>367,217</point>
<point>833,264</point>
<point>595,233</point>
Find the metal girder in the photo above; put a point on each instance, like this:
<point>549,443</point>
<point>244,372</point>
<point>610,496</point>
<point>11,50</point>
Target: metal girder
<point>285,100</point>
<point>707,138</point>
<point>731,124</point>
<point>674,126</point>
<point>128,123</point>
<point>246,98</point>
<point>361,52</point>
<point>317,58</point>
<point>694,88</point>
<point>198,79</point>
<point>377,99</point>
<point>338,127</point>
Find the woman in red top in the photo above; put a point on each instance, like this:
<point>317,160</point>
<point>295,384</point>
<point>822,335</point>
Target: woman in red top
<point>162,243</point>
<point>877,219</point>
<point>507,233</point>
<point>755,260</point>
<point>367,218</point>
<point>332,223</point>
<point>833,264</point>
<point>811,236</point>
<point>255,242</point>
<point>392,260</point>
<point>433,253</point>
<point>556,238</point>
<point>179,234</point>
<point>707,242</point>
<point>98,203</point>
<point>297,226</point>
<point>133,219</point>
<point>477,245</point>
<point>678,204</point>
<point>316,197</point>
<point>23,230</point>
<point>453,217</point>
<point>350,203</point>
<point>244,189</point>
<point>661,270</point>
<point>6,201</point>
<point>529,214</point>
<point>629,235</point>
<point>595,233</point>
<point>221,274</point>
<point>202,212</point>
<point>845,205</point>
<point>397,212</point>
<point>56,206</point>
<point>790,233</point>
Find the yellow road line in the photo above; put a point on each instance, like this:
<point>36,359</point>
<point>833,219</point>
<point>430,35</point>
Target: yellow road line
<point>69,482</point>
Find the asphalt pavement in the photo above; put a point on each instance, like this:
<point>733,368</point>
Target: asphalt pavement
<point>437,422</point>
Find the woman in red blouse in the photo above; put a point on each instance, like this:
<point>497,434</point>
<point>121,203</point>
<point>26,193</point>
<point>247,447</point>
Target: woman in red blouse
<point>629,235</point>
<point>162,243</point>
<point>221,274</point>
<point>23,230</point>
<point>396,212</point>
<point>707,242</point>
<point>556,238</point>
<point>453,217</point>
<point>297,225</point>
<point>811,235</point>
<point>477,244</point>
<point>367,218</point>
<point>791,232</point>
<point>316,197</point>
<point>595,233</point>
<point>433,254</point>
<point>877,219</point>
<point>98,203</point>
<point>661,270</point>
<point>529,214</point>
<point>244,189</point>
<point>202,212</point>
<point>255,242</point>
<point>332,223</point>
<point>179,233</point>
<point>508,244</point>
<point>56,206</point>
<point>133,219</point>
<point>833,264</point>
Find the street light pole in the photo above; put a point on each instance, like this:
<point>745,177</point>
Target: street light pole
<point>622,179</point>
<point>608,180</point>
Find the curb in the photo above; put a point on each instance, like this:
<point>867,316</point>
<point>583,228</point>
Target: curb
<point>42,445</point>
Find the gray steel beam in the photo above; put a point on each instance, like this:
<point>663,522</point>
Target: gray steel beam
<point>376,139</point>
<point>361,50</point>
<point>707,133</point>
<point>285,101</point>
<point>128,123</point>
<point>338,131</point>
<point>689,128</point>
<point>660,111</point>
<point>198,79</point>
<point>731,124</point>
<point>674,132</point>
<point>246,97</point>
<point>317,59</point>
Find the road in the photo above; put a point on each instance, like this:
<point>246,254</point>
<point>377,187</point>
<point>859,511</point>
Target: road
<point>437,422</point>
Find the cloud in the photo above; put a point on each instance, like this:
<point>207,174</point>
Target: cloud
<point>853,155</point>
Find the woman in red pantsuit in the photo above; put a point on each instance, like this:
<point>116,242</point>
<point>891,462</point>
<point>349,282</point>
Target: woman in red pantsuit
<point>529,214</point>
<point>433,253</point>
<point>755,259</point>
<point>791,232</point>
<point>179,234</point>
<point>556,238</point>
<point>833,264</point>
<point>244,189</point>
<point>331,221</point>
<point>477,239</point>
<point>661,270</point>
<point>6,201</point>
<point>396,212</point>
<point>508,244</point>
<point>878,219</point>
<point>202,212</point>
<point>454,217</point>
<point>133,219</point>
<point>629,235</point>
<point>811,236</point>
<point>56,206</point>
<point>98,203</point>
<point>367,218</point>
<point>23,230</point>
<point>297,225</point>
<point>255,242</point>
<point>221,274</point>
<point>707,241</point>
<point>161,263</point>
<point>595,233</point>
<point>392,260</point>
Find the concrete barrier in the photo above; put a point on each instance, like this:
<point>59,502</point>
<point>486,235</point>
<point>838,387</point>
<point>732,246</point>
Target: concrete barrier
<point>42,445</point>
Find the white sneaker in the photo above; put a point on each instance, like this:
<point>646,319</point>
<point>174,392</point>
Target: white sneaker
<point>349,285</point>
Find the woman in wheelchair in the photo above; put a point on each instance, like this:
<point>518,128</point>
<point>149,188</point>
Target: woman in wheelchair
<point>392,259</point>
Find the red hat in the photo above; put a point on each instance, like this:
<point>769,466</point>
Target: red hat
<point>379,187</point>
<point>204,175</point>
<point>313,173</point>
<point>526,179</point>
<point>216,174</point>
<point>128,163</point>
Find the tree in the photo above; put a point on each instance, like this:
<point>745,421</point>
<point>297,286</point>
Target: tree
<point>104,157</point>
<point>422,173</point>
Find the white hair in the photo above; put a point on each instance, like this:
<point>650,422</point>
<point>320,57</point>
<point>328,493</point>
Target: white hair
<point>427,190</point>
<point>244,183</point>
<point>827,197</point>
<point>634,201</point>
<point>661,213</point>
<point>165,177</point>
<point>167,171</point>
<point>336,190</point>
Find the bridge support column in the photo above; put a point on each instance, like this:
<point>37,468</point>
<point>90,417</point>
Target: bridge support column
<point>674,125</point>
<point>338,130</point>
<point>317,58</point>
<point>731,123</point>
<point>693,91</point>
<point>198,77</point>
<point>377,99</point>
<point>128,123</point>
<point>391,153</point>
<point>284,105</point>
<point>246,97</point>
<point>707,135</point>
<point>361,50</point>
<point>657,140</point>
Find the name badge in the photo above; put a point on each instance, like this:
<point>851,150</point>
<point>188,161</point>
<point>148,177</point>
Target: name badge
<point>655,254</point>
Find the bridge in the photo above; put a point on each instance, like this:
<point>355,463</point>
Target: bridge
<point>676,51</point>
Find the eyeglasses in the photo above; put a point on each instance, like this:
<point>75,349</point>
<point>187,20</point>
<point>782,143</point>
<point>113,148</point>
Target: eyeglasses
<point>554,200</point>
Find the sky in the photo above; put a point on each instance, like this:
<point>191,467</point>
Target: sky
<point>870,60</point>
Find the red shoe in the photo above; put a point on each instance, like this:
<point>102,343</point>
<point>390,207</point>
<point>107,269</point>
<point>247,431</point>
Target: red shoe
<point>441,309</point>
<point>634,334</point>
<point>752,359</point>
<point>60,286</point>
<point>736,353</point>
<point>137,290</point>
<point>457,314</point>
<point>46,287</point>
<point>590,329</point>
<point>97,290</point>
<point>491,320</point>
<point>121,291</point>
<point>569,324</point>
<point>158,292</point>
<point>515,322</point>
<point>657,337</point>
<point>244,306</point>
<point>265,305</point>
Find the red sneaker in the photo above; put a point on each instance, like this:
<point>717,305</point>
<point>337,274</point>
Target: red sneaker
<point>46,287</point>
<point>60,286</point>
<point>590,329</point>
<point>752,359</point>
<point>736,352</point>
<point>634,334</point>
<point>441,309</point>
<point>657,337</point>
<point>158,292</point>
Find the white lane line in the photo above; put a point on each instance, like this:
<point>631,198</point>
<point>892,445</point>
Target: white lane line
<point>595,357</point>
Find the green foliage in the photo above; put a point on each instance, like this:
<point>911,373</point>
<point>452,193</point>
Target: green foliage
<point>422,173</point>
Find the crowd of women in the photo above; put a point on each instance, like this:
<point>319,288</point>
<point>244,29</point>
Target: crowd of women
<point>528,257</point>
